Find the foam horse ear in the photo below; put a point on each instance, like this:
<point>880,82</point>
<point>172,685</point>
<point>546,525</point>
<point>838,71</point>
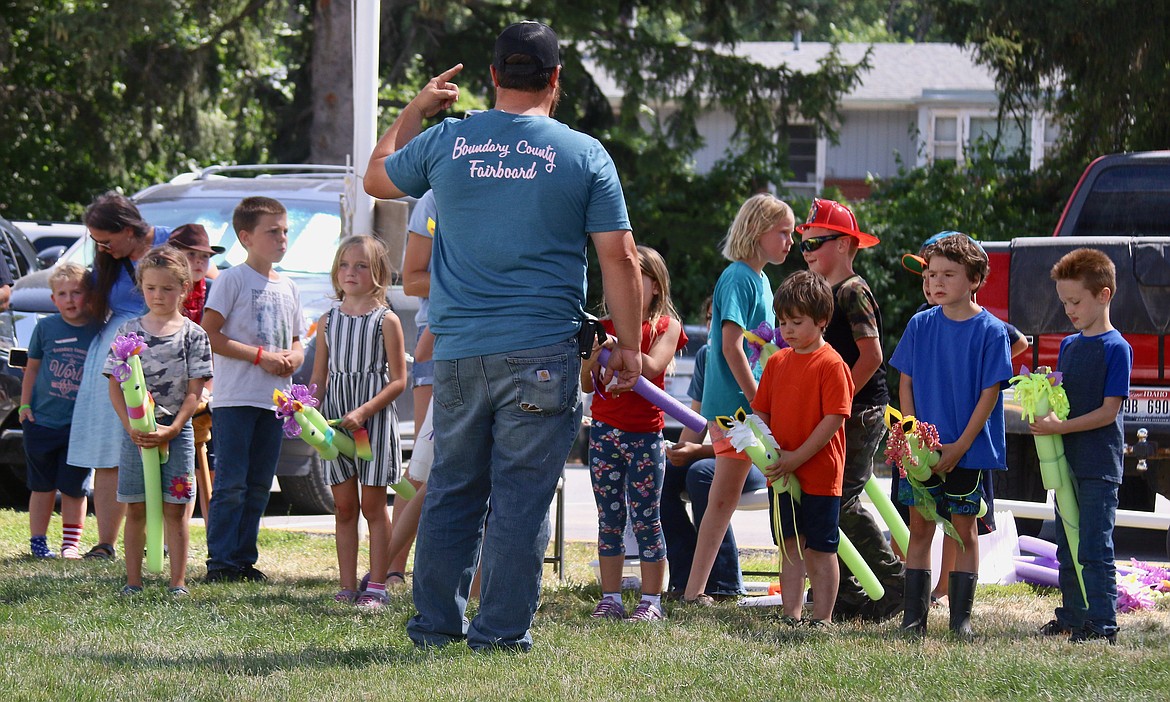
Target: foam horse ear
<point>892,417</point>
<point>724,423</point>
<point>740,415</point>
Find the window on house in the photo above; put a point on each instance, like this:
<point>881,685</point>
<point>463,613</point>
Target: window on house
<point>802,152</point>
<point>1011,136</point>
<point>945,138</point>
<point>953,132</point>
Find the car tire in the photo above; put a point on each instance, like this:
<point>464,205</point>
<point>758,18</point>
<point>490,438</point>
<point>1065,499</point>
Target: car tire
<point>13,472</point>
<point>308,494</point>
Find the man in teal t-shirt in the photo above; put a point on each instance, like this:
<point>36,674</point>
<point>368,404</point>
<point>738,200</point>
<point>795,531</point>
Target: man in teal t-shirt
<point>521,196</point>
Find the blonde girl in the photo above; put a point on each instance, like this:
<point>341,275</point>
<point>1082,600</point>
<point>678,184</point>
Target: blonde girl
<point>761,234</point>
<point>626,454</point>
<point>176,364</point>
<point>360,367</point>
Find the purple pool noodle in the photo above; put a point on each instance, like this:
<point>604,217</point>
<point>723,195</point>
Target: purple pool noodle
<point>658,397</point>
<point>1040,547</point>
<point>1044,561</point>
<point>1037,574</point>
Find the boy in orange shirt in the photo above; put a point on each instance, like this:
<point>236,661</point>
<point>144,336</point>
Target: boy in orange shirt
<point>804,396</point>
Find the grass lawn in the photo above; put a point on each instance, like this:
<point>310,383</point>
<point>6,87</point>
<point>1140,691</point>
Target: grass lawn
<point>66,635</point>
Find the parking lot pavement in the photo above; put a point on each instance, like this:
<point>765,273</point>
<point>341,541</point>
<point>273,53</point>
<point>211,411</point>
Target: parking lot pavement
<point>752,530</point>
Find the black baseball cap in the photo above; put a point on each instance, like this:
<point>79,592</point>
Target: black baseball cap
<point>529,38</point>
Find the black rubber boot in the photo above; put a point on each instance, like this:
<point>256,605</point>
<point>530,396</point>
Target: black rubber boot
<point>917,601</point>
<point>961,592</point>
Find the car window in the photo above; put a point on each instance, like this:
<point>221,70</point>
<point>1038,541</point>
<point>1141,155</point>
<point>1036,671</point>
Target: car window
<point>1128,199</point>
<point>313,227</point>
<point>17,264</point>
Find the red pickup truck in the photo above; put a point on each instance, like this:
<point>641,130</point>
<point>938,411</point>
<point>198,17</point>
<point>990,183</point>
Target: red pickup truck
<point>1121,205</point>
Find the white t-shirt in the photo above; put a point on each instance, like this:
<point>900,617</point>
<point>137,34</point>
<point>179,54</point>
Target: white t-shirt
<point>257,312</point>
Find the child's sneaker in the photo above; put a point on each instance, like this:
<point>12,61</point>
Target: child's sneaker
<point>130,590</point>
<point>70,553</point>
<point>178,592</point>
<point>1054,628</point>
<point>371,599</point>
<point>609,609</point>
<point>646,612</point>
<point>1087,634</point>
<point>39,547</point>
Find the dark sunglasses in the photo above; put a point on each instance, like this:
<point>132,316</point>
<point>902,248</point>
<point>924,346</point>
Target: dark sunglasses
<point>810,245</point>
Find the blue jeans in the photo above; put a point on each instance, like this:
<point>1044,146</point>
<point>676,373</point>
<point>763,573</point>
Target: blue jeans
<point>1098,503</point>
<point>726,577</point>
<point>247,446</point>
<point>504,425</point>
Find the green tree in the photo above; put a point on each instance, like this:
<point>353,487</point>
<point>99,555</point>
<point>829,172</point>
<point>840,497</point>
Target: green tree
<point>1102,66</point>
<point>98,95</point>
<point>672,61</point>
<point>990,198</point>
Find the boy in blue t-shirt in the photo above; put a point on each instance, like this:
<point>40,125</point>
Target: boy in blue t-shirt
<point>954,362</point>
<point>1096,365</point>
<point>56,355</point>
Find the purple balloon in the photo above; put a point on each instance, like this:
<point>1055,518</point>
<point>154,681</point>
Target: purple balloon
<point>1038,574</point>
<point>658,397</point>
<point>1040,547</point>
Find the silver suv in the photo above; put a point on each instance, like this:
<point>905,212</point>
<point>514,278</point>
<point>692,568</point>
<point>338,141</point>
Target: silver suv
<point>315,197</point>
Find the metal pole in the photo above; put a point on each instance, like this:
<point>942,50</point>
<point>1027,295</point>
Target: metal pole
<point>366,16</point>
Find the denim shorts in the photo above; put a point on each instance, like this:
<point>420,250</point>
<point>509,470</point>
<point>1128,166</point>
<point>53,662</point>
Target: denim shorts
<point>45,450</point>
<point>178,473</point>
<point>422,372</point>
<point>816,518</point>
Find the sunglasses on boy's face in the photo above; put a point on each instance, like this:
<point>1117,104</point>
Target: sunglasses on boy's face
<point>810,245</point>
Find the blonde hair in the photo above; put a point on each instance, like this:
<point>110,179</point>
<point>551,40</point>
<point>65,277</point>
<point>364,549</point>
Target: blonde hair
<point>654,266</point>
<point>758,215</point>
<point>70,271</point>
<point>166,258</point>
<point>379,258</point>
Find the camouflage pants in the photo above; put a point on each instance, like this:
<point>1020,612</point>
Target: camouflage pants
<point>864,431</point>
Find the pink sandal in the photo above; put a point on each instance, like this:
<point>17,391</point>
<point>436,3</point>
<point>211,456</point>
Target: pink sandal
<point>346,596</point>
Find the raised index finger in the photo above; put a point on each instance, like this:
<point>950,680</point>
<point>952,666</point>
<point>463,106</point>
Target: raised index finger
<point>450,72</point>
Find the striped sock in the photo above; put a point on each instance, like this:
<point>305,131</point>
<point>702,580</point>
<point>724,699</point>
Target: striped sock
<point>70,535</point>
<point>376,588</point>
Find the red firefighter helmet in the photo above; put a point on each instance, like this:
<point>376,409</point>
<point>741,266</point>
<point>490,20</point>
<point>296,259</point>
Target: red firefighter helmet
<point>828,214</point>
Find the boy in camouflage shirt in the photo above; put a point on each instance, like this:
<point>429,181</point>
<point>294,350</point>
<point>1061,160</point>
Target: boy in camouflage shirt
<point>830,240</point>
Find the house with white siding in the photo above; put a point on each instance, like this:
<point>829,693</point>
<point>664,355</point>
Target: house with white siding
<point>919,101</point>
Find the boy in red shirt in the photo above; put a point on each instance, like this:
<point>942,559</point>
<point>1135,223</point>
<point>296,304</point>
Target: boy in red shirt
<point>804,396</point>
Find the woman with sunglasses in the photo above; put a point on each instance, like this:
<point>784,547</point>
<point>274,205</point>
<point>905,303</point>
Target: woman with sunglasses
<point>120,237</point>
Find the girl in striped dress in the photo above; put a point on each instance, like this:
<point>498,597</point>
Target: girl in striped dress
<point>360,367</point>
